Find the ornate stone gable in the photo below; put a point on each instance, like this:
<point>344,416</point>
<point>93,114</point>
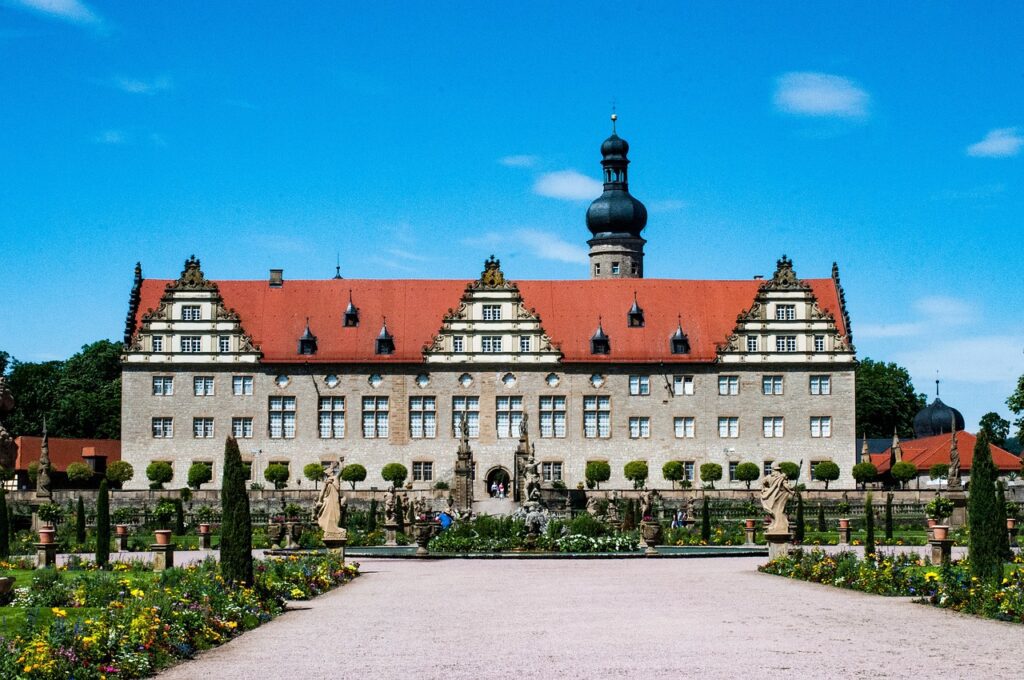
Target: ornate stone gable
<point>785,324</point>
<point>491,324</point>
<point>190,325</point>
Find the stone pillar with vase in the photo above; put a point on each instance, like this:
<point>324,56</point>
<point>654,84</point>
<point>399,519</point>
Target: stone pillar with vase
<point>46,548</point>
<point>750,530</point>
<point>121,531</point>
<point>163,550</point>
<point>844,531</point>
<point>205,537</point>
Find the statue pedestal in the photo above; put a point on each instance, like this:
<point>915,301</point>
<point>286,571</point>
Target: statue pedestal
<point>779,544</point>
<point>942,550</point>
<point>46,555</point>
<point>163,556</point>
<point>336,541</point>
<point>650,530</point>
<point>122,542</point>
<point>750,531</point>
<point>959,516</point>
<point>844,532</point>
<point>205,541</point>
<point>390,534</point>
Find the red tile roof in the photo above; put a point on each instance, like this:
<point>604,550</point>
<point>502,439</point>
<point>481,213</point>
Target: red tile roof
<point>568,310</point>
<point>928,451</point>
<point>64,451</point>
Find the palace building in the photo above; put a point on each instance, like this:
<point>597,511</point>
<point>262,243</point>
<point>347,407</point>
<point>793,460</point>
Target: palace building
<point>616,367</point>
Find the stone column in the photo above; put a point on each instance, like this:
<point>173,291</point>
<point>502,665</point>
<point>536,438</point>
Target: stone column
<point>46,555</point>
<point>163,556</point>
<point>844,532</point>
<point>750,529</point>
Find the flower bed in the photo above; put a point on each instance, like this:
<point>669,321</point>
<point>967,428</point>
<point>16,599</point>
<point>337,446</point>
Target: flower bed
<point>130,623</point>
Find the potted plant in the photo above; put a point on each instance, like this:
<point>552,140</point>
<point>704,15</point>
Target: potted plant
<point>1011,515</point>
<point>51,514</point>
<point>46,535</point>
<point>938,509</point>
<point>843,508</point>
<point>163,536</point>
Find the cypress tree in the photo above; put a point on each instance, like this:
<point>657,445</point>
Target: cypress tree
<point>888,516</point>
<point>80,522</point>
<point>371,517</point>
<point>629,519</point>
<point>399,514</point>
<point>869,525</point>
<point>5,532</point>
<point>822,527</point>
<point>798,535</point>
<point>179,517</point>
<point>986,533</point>
<point>103,525</point>
<point>236,522</point>
<point>1004,543</point>
<point>705,520</point>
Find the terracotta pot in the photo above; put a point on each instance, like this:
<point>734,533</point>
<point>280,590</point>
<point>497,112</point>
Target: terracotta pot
<point>1011,523</point>
<point>749,523</point>
<point>163,536</point>
<point>931,522</point>
<point>121,529</point>
<point>46,535</point>
<point>844,524</point>
<point>204,529</point>
<point>940,532</point>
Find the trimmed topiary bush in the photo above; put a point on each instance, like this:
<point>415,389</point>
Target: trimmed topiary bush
<point>598,471</point>
<point>119,472</point>
<point>710,473</point>
<point>158,473</point>
<point>747,473</point>
<point>673,471</point>
<point>236,522</point>
<point>78,474</point>
<point>198,474</point>
<point>864,472</point>
<point>315,473</point>
<point>394,473</point>
<point>636,471</point>
<point>826,471</point>
<point>903,472</point>
<point>353,473</point>
<point>277,474</point>
<point>791,470</point>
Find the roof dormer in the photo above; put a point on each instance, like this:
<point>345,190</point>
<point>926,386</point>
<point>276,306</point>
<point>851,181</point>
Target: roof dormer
<point>600,343</point>
<point>307,343</point>
<point>635,316</point>
<point>385,343</point>
<point>351,317</point>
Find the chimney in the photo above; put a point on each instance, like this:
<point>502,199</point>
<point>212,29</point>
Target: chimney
<point>276,278</point>
<point>758,277</point>
<point>97,462</point>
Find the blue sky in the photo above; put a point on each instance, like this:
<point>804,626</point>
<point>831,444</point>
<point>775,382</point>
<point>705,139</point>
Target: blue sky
<point>414,139</point>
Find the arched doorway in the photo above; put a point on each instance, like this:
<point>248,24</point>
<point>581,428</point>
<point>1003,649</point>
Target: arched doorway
<point>498,482</point>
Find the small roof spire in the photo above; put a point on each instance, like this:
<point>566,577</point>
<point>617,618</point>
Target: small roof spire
<point>337,266</point>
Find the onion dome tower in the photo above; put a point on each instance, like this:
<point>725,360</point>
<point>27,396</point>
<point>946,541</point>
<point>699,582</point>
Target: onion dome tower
<point>937,418</point>
<point>616,219</point>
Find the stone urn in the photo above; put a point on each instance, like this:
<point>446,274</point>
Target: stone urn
<point>204,529</point>
<point>650,531</point>
<point>749,523</point>
<point>163,536</point>
<point>46,535</point>
<point>931,523</point>
<point>121,529</point>
<point>6,585</point>
<point>844,524</point>
<point>423,531</point>
<point>940,532</point>
<point>1011,523</point>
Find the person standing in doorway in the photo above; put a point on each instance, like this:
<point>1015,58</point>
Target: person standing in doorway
<point>494,489</point>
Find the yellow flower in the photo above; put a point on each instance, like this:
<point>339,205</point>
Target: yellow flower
<point>931,576</point>
<point>58,612</point>
<point>135,592</point>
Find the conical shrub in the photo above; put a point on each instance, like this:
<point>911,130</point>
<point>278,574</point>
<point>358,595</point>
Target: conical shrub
<point>236,522</point>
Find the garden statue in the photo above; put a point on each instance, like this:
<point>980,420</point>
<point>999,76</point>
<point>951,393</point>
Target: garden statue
<point>775,493</point>
<point>43,477</point>
<point>331,506</point>
<point>593,507</point>
<point>612,511</point>
<point>953,476</point>
<point>420,509</point>
<point>532,478</point>
<point>647,500</point>
<point>390,516</point>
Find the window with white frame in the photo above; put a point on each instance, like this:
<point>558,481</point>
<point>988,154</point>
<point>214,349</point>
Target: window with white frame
<point>819,343</point>
<point>821,426</point>
<point>191,313</point>
<point>733,464</point>
<point>524,343</point>
<point>422,471</point>
<point>375,417</point>
<point>331,417</point>
<point>785,312</point>
<point>771,384</point>
<point>163,386</point>
<point>639,427</point>
<point>158,343</point>
<point>509,415</point>
<point>751,343</point>
<point>422,417</point>
<point>766,468</point>
<point>492,312</point>
<point>458,343</point>
<point>163,428</point>
<point>728,385</point>
<point>729,427</point>
<point>202,428</point>
<point>191,344</point>
<point>281,417</point>
<point>821,384</point>
<point>639,385</point>
<point>551,471</point>
<point>490,344</point>
<point>682,385</point>
<point>685,427</point>
<point>597,416</point>
<point>468,408</point>
<point>552,416</point>
<point>785,343</point>
<point>224,343</point>
<point>202,385</point>
<point>241,428</point>
<point>687,470</point>
<point>241,385</point>
<point>615,267</point>
<point>772,426</point>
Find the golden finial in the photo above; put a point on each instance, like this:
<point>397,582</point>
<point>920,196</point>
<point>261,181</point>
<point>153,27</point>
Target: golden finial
<point>615,117</point>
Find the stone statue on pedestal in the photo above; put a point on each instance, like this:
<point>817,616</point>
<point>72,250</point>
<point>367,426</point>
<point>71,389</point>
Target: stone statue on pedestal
<point>775,493</point>
<point>43,484</point>
<point>647,501</point>
<point>390,510</point>
<point>953,476</point>
<point>331,505</point>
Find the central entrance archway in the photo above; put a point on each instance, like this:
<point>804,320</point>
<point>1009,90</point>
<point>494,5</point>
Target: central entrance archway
<point>498,478</point>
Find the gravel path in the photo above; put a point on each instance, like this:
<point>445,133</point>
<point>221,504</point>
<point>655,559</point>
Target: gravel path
<point>718,618</point>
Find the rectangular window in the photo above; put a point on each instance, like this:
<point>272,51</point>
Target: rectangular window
<point>158,343</point>
<point>688,470</point>
<point>814,464</point>
<point>551,471</point>
<point>615,267</point>
<point>422,418</point>
<point>202,385</point>
<point>241,428</point>
<point>819,343</point>
<point>191,344</point>
<point>552,417</point>
<point>597,416</point>
<point>202,428</point>
<point>163,428</point>
<point>163,386</point>
<point>772,426</point>
<point>639,427</point>
<point>785,343</point>
<point>682,385</point>
<point>331,417</point>
<point>785,312</point>
<point>490,344</point>
<point>422,471</point>
<point>241,385</point>
<point>766,468</point>
<point>224,343</point>
<point>524,343</point>
<point>685,427</point>
<point>492,312</point>
<point>751,343</point>
<point>458,343</point>
<point>375,417</point>
<point>639,385</point>
<point>821,384</point>
<point>597,269</point>
<point>190,313</point>
<point>281,418</point>
<point>728,385</point>
<point>771,384</point>
<point>729,428</point>
<point>821,426</point>
<point>509,415</point>
<point>732,470</point>
<point>468,408</point>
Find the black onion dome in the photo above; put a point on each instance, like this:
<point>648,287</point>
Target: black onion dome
<point>615,213</point>
<point>937,418</point>
<point>614,146</point>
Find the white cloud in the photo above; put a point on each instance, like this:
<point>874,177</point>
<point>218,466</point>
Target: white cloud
<point>668,205</point>
<point>540,243</point>
<point>521,161</point>
<point>998,143</point>
<point>68,10</point>
<point>981,359</point>
<point>821,95</point>
<point>139,86</point>
<point>568,185</point>
<point>111,137</point>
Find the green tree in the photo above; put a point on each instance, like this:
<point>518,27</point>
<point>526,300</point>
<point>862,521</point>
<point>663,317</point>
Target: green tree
<point>903,472</point>
<point>710,473</point>
<point>353,473</point>
<point>179,517</point>
<point>236,522</point>
<point>705,520</point>
<point>5,527</point>
<point>1004,536</point>
<point>886,399</point>
<point>80,522</point>
<point>996,427</point>
<point>636,472</point>
<point>822,527</point>
<point>103,525</point>
<point>798,534</point>
<point>277,474</point>
<point>598,471</point>
<point>888,516</point>
<point>78,473</point>
<point>315,473</point>
<point>199,473</point>
<point>791,470</point>
<point>864,472</point>
<point>394,473</point>
<point>399,513</point>
<point>747,473</point>
<point>119,472</point>
<point>986,529</point>
<point>869,525</point>
<point>673,471</point>
<point>1016,403</point>
<point>938,471</point>
<point>826,471</point>
<point>371,517</point>
<point>159,472</point>
<point>629,518</point>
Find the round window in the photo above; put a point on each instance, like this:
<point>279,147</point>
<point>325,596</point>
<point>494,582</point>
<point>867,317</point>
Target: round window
<point>375,380</point>
<point>597,380</point>
<point>552,380</point>
<point>331,381</point>
<point>465,380</point>
<point>422,380</point>
<point>282,380</point>
<point>508,380</point>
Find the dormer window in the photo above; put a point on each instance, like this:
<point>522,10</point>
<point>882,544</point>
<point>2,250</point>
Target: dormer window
<point>635,316</point>
<point>351,318</point>
<point>599,341</point>
<point>680,344</point>
<point>385,343</point>
<point>307,343</point>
